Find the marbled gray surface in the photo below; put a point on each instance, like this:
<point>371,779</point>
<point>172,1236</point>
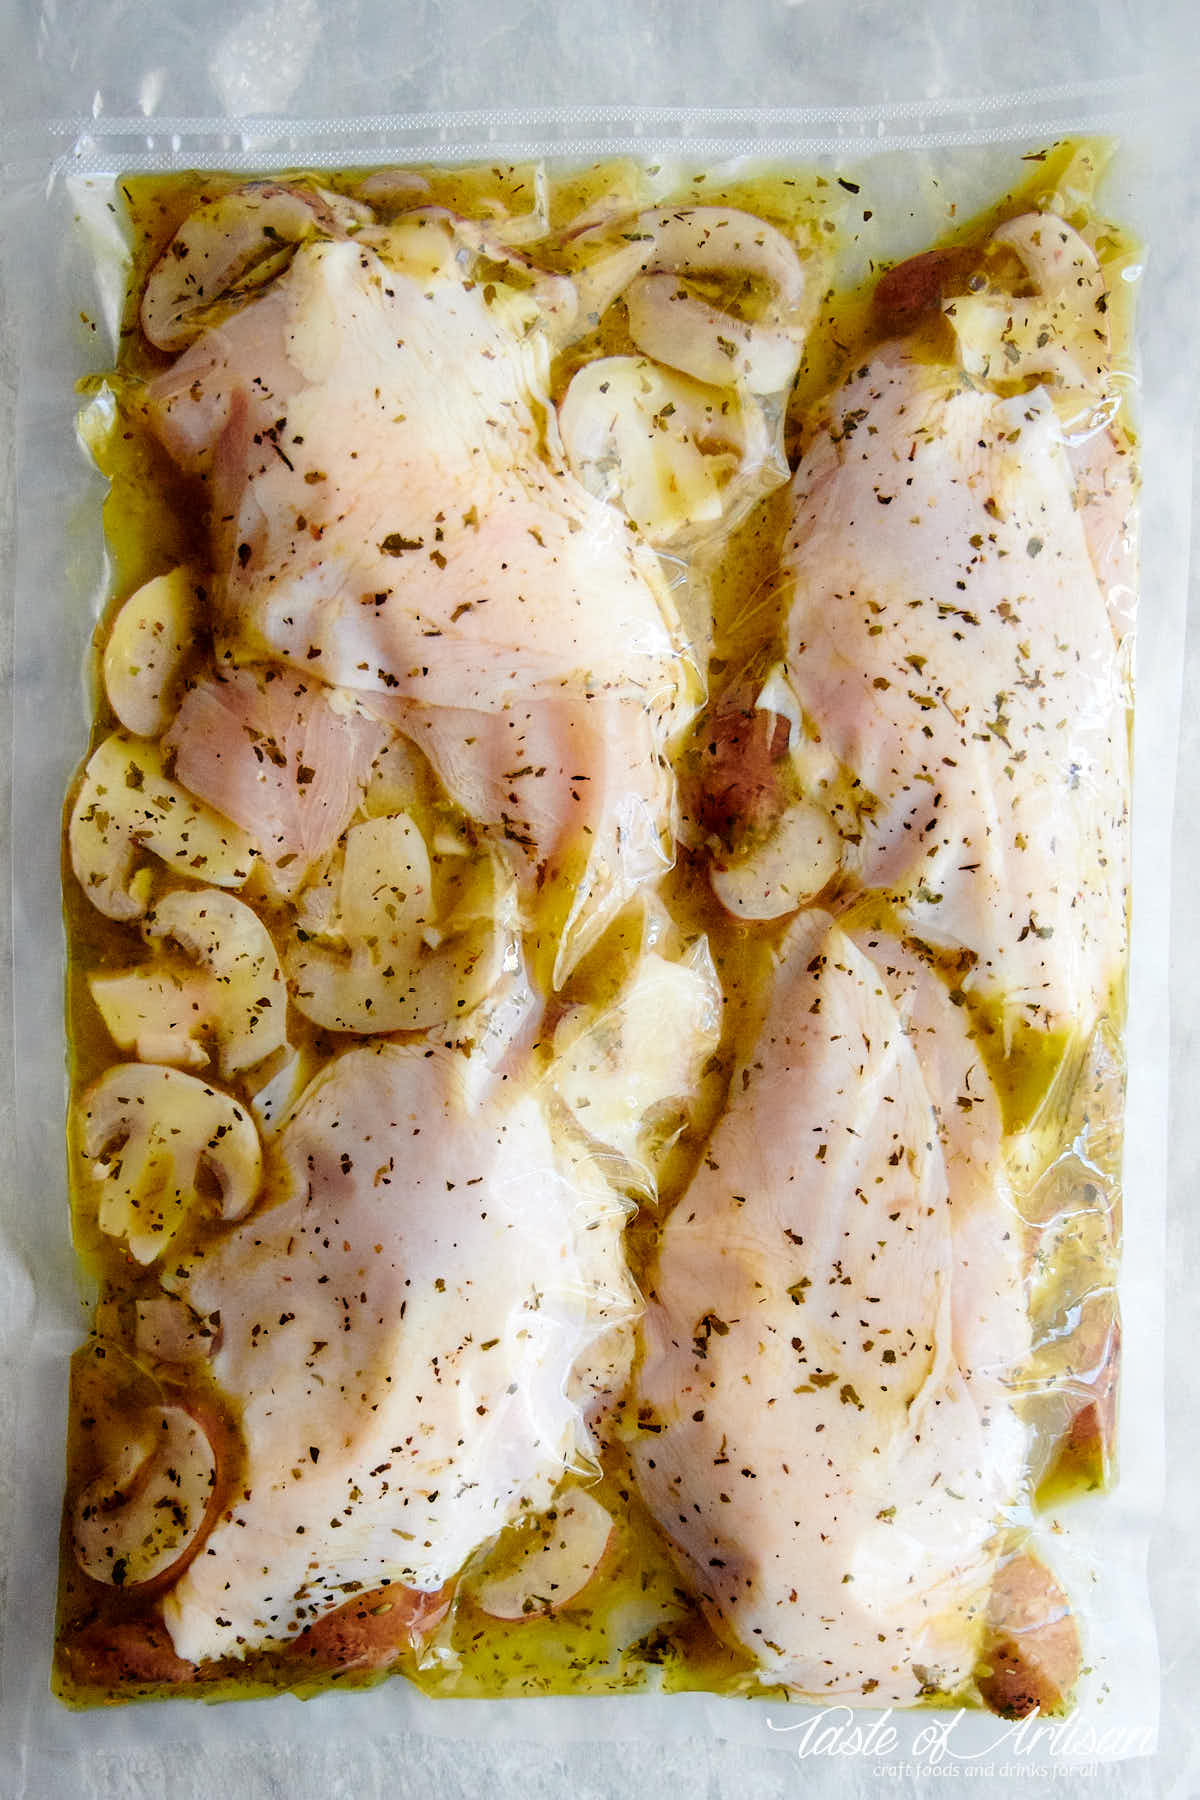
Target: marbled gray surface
<point>378,56</point>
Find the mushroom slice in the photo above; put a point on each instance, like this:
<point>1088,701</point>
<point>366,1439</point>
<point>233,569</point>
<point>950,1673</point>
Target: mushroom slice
<point>128,804</point>
<point>557,301</point>
<point>410,943</point>
<point>281,1082</point>
<point>147,650</point>
<point>552,1561</point>
<point>1060,336</point>
<point>394,187</point>
<point>1056,258</point>
<point>422,242</point>
<point>238,241</point>
<point>168,1331</point>
<point>401,781</point>
<point>150,1140</point>
<point>669,320</point>
<point>224,993</point>
<point>783,871</point>
<point>514,203</point>
<point>432,243</point>
<point>670,451</point>
<point>138,1519</point>
<point>618,1067</point>
<point>387,883</point>
<point>781,848</point>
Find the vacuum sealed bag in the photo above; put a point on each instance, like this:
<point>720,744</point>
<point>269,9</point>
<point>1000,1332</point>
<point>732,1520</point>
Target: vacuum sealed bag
<point>598,909</point>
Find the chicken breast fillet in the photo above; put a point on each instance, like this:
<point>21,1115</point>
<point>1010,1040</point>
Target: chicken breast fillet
<point>404,1338</point>
<point>949,640</point>
<point>827,1436</point>
<point>390,512</point>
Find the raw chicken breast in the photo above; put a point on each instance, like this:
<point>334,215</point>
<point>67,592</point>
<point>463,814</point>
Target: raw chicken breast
<point>389,513</point>
<point>437,1268</point>
<point>284,758</point>
<point>379,485</point>
<point>578,790</point>
<point>825,1431</point>
<point>949,641</point>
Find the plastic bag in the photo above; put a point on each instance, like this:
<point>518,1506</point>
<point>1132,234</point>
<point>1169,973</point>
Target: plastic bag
<point>1138,1462</point>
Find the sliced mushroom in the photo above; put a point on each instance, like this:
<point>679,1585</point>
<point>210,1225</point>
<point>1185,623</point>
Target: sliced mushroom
<point>670,451</point>
<point>137,1520</point>
<point>617,1067</point>
<point>1061,335</point>
<point>128,804</point>
<point>552,1562</point>
<point>286,1076</point>
<point>394,187</point>
<point>671,321</point>
<point>168,1331</point>
<point>387,882</point>
<point>783,871</point>
<point>410,943</point>
<point>773,848</point>
<point>232,244</point>
<point>148,649</point>
<point>150,1139</point>
<point>555,295</point>
<point>432,243</point>
<point>423,243</point>
<point>1056,258</point>
<point>401,781</point>
<point>513,200</point>
<point>225,996</point>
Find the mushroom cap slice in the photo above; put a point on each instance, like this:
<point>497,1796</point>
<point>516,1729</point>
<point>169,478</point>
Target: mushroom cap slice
<point>225,990</point>
<point>1060,336</point>
<point>672,452</point>
<point>147,1136</point>
<point>552,1562</point>
<point>239,241</point>
<point>147,649</point>
<point>387,883</point>
<point>278,1085</point>
<point>128,804</point>
<point>411,942</point>
<point>168,1331</point>
<point>785,870</point>
<point>695,240</point>
<point>1056,258</point>
<point>616,1067</point>
<point>139,1517</point>
<point>671,321</point>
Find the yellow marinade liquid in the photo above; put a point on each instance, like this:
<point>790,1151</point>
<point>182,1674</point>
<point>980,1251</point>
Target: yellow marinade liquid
<point>635,1626</point>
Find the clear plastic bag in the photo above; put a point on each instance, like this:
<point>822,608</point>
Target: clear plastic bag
<point>1117,1615</point>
